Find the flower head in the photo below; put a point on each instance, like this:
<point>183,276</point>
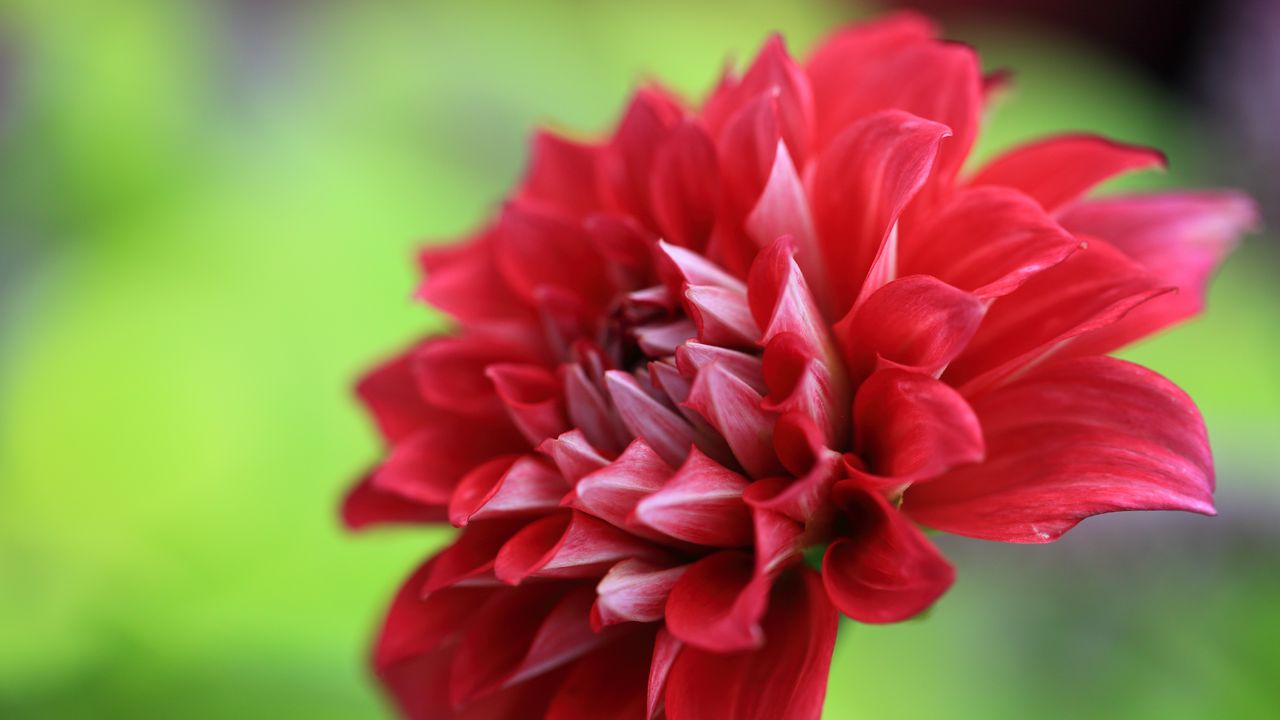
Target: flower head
<point>784,325</point>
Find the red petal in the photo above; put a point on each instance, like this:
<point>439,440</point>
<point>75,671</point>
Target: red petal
<point>910,427</point>
<point>685,186</point>
<point>506,487</point>
<point>781,301</point>
<point>692,357</point>
<point>533,398</point>
<point>701,503</point>
<point>718,602</point>
<point>569,545</point>
<point>630,155</point>
<point>916,322</point>
<point>860,187</point>
<point>536,249</point>
<point>465,282</point>
<point>800,384</point>
<point>635,591</point>
<point>1072,439</point>
<point>611,492</point>
<point>665,650</point>
<point>748,145</point>
<point>366,505</point>
<point>783,209</point>
<point>561,175</point>
<point>573,455</point>
<point>722,317</point>
<point>427,465</point>
<point>590,412</point>
<point>680,267</point>
<point>887,570</point>
<point>470,556</point>
<point>390,393</point>
<point>1060,169</point>
<point>667,433</point>
<point>784,678</point>
<point>733,409</point>
<point>1179,238</point>
<point>1094,288</point>
<point>989,241</point>
<point>415,624</point>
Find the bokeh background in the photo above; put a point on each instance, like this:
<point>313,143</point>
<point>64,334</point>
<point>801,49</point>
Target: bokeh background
<point>207,214</point>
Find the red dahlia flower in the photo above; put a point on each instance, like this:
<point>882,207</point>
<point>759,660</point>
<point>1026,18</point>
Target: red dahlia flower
<point>784,325</point>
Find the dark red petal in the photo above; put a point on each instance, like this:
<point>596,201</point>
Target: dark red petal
<point>561,175</point>
<point>365,505</point>
<point>1060,169</point>
<point>786,677</point>
<point>912,427</point>
<point>684,188</point>
<point>1093,288</point>
<point>886,570</point>
<point>427,465</point>
<point>1068,440</point>
<point>916,322</point>
<point>701,503</point>
<point>533,398</point>
<point>415,624</point>
<point>666,647</point>
<point>465,282</point>
<point>988,240</point>
<point>569,545</point>
<point>1181,238</point>
<point>590,412</point>
<point>450,372</point>
<point>609,683</point>
<point>860,187</point>
<point>519,635</point>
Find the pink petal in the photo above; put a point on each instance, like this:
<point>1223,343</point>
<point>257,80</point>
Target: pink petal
<point>680,266</point>
<point>783,209</point>
<point>505,487</point>
<point>910,427</point>
<point>988,240</point>
<point>860,187</point>
<point>590,412</point>
<point>666,432</point>
<point>611,492</point>
<point>916,322</point>
<point>733,409</point>
<point>1060,169</point>
<point>663,339</point>
<point>568,545</point>
<point>635,591</point>
<point>701,503</point>
<point>1068,440</point>
<point>1179,238</point>
<point>886,570</point>
<point>786,677</point>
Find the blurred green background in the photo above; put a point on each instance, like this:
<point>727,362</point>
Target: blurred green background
<point>207,215</point>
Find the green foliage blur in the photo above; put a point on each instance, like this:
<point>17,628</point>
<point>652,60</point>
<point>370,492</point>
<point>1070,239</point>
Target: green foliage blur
<point>207,217</point>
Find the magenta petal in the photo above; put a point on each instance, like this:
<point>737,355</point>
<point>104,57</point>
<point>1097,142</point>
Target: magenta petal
<point>1068,440</point>
<point>887,570</point>
<point>701,503</point>
<point>568,545</point>
<point>1060,169</point>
